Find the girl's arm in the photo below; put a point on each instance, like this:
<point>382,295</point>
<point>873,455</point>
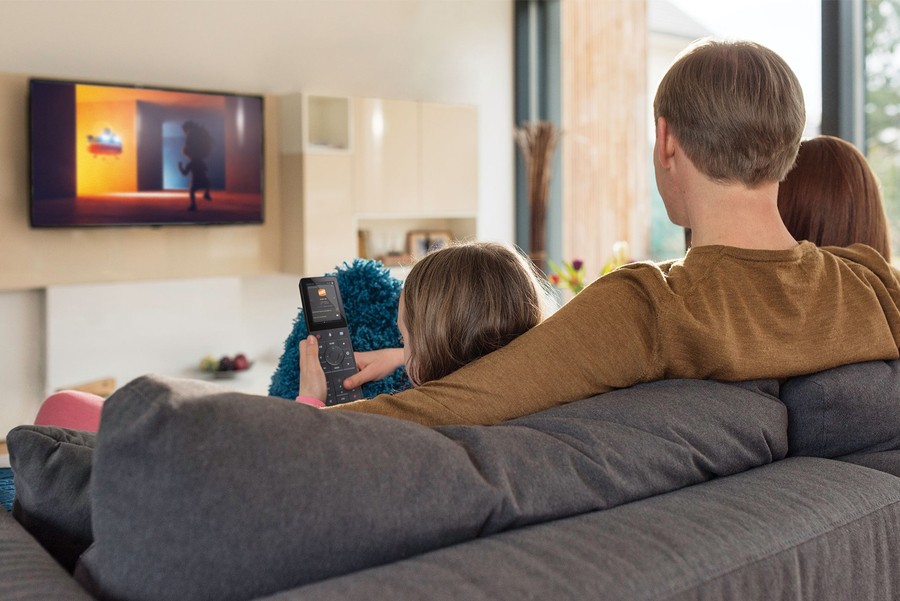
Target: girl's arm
<point>374,365</point>
<point>312,377</point>
<point>604,338</point>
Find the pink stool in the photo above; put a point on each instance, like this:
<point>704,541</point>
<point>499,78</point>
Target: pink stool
<point>71,409</point>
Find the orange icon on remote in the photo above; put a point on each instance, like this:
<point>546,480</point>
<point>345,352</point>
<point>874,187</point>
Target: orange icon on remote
<point>322,292</point>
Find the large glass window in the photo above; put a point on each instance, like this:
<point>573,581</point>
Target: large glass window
<point>792,29</point>
<point>882,106</point>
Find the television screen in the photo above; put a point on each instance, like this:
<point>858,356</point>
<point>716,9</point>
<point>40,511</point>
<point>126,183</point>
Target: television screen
<point>124,155</point>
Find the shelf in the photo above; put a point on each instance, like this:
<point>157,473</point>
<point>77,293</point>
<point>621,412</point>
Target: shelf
<point>327,124</point>
<point>417,216</point>
<point>387,234</point>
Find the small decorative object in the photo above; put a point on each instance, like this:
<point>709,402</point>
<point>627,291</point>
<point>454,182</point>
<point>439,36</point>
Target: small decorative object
<point>570,276</point>
<point>537,141</point>
<point>420,242</point>
<point>225,367</point>
<point>362,244</point>
<point>620,257</point>
<point>395,259</point>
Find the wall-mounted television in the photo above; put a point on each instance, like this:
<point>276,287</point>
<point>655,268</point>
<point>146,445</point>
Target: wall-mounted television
<point>112,155</point>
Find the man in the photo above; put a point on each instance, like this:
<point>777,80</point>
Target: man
<point>747,301</point>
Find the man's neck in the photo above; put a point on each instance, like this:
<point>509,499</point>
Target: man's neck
<point>734,215</point>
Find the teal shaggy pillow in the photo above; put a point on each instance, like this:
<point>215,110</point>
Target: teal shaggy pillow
<point>370,294</point>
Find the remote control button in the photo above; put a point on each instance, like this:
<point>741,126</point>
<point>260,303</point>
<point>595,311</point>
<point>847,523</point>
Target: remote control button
<point>334,356</point>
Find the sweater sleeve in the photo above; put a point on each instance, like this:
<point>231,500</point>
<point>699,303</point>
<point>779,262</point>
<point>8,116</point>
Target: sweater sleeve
<point>604,338</point>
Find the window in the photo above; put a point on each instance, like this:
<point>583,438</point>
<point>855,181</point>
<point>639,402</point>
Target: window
<point>882,103</point>
<point>792,29</point>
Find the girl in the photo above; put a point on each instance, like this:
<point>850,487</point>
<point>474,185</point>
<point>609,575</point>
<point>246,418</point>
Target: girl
<point>458,303</point>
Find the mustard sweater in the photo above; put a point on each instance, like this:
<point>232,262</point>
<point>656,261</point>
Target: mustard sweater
<point>720,313</point>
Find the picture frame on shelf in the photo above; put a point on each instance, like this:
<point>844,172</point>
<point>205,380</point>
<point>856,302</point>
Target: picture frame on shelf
<point>420,242</point>
<point>362,244</point>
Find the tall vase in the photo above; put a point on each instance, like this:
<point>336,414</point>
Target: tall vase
<point>537,141</point>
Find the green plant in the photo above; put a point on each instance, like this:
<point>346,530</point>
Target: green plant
<point>570,276</point>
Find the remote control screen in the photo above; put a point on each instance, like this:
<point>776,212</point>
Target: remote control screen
<point>324,307</point>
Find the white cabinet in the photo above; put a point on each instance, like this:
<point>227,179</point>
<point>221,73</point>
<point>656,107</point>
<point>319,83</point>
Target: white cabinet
<point>329,237</point>
<point>386,156</point>
<point>326,124</point>
<point>316,172</point>
<point>449,151</point>
<point>415,158</point>
<point>357,174</point>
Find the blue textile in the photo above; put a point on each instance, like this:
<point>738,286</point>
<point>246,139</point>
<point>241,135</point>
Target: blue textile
<point>7,488</point>
<point>371,295</point>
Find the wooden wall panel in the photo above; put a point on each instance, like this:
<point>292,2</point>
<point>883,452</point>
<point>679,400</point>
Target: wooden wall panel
<point>606,155</point>
<point>37,258</point>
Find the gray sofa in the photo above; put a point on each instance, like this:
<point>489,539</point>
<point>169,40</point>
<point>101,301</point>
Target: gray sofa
<point>671,490</point>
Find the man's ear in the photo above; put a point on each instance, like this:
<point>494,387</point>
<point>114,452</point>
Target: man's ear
<point>665,143</point>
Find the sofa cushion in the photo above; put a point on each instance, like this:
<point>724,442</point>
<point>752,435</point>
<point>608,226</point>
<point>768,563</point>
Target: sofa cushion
<point>832,536</point>
<point>846,410</point>
<point>199,493</point>
<point>27,572</point>
<point>884,461</point>
<point>52,469</point>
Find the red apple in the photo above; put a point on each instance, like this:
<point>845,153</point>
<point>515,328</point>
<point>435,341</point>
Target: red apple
<point>241,362</point>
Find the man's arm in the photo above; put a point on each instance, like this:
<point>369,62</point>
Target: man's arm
<point>604,338</point>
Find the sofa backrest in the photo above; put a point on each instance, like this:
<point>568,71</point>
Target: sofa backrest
<point>846,410</point>
<point>199,493</point>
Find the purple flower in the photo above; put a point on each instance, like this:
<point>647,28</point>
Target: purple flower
<point>577,264</point>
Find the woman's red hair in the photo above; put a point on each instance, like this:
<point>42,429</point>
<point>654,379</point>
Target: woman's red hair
<point>831,197</point>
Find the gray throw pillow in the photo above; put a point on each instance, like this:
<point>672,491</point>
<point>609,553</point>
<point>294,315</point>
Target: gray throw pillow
<point>52,468</point>
<point>203,494</point>
<point>845,410</point>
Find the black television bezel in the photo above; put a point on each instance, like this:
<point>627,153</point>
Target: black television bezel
<point>142,224</point>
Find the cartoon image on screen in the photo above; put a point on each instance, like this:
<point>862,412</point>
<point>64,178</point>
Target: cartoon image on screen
<point>116,155</point>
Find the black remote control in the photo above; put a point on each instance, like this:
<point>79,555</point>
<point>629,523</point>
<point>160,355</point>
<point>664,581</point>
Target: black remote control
<point>325,319</point>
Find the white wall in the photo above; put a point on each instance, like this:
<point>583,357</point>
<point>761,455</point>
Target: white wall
<point>454,51</point>
<point>21,357</point>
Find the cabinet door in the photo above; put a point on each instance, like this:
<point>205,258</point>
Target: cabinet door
<point>386,156</point>
<point>449,155</point>
<point>329,234</point>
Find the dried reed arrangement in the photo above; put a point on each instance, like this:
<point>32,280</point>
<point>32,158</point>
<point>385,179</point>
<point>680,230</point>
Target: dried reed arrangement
<point>537,141</point>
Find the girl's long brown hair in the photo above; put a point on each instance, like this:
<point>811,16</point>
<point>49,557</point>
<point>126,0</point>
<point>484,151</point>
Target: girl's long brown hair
<point>831,197</point>
<point>464,301</point>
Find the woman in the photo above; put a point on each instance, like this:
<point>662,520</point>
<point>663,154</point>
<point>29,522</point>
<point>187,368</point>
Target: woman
<point>831,197</point>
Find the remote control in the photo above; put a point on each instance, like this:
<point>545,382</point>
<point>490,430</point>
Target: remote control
<point>325,319</point>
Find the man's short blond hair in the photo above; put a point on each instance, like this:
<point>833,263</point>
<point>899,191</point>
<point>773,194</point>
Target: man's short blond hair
<point>737,110</point>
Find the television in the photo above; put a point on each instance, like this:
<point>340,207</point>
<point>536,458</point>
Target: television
<point>119,155</point>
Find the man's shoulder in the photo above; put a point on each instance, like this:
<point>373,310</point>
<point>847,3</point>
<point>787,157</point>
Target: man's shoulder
<point>861,258</point>
<point>641,279</point>
<point>855,253</point>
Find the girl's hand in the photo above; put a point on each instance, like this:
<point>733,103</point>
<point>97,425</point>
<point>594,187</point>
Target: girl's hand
<point>374,365</point>
<point>312,378</point>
